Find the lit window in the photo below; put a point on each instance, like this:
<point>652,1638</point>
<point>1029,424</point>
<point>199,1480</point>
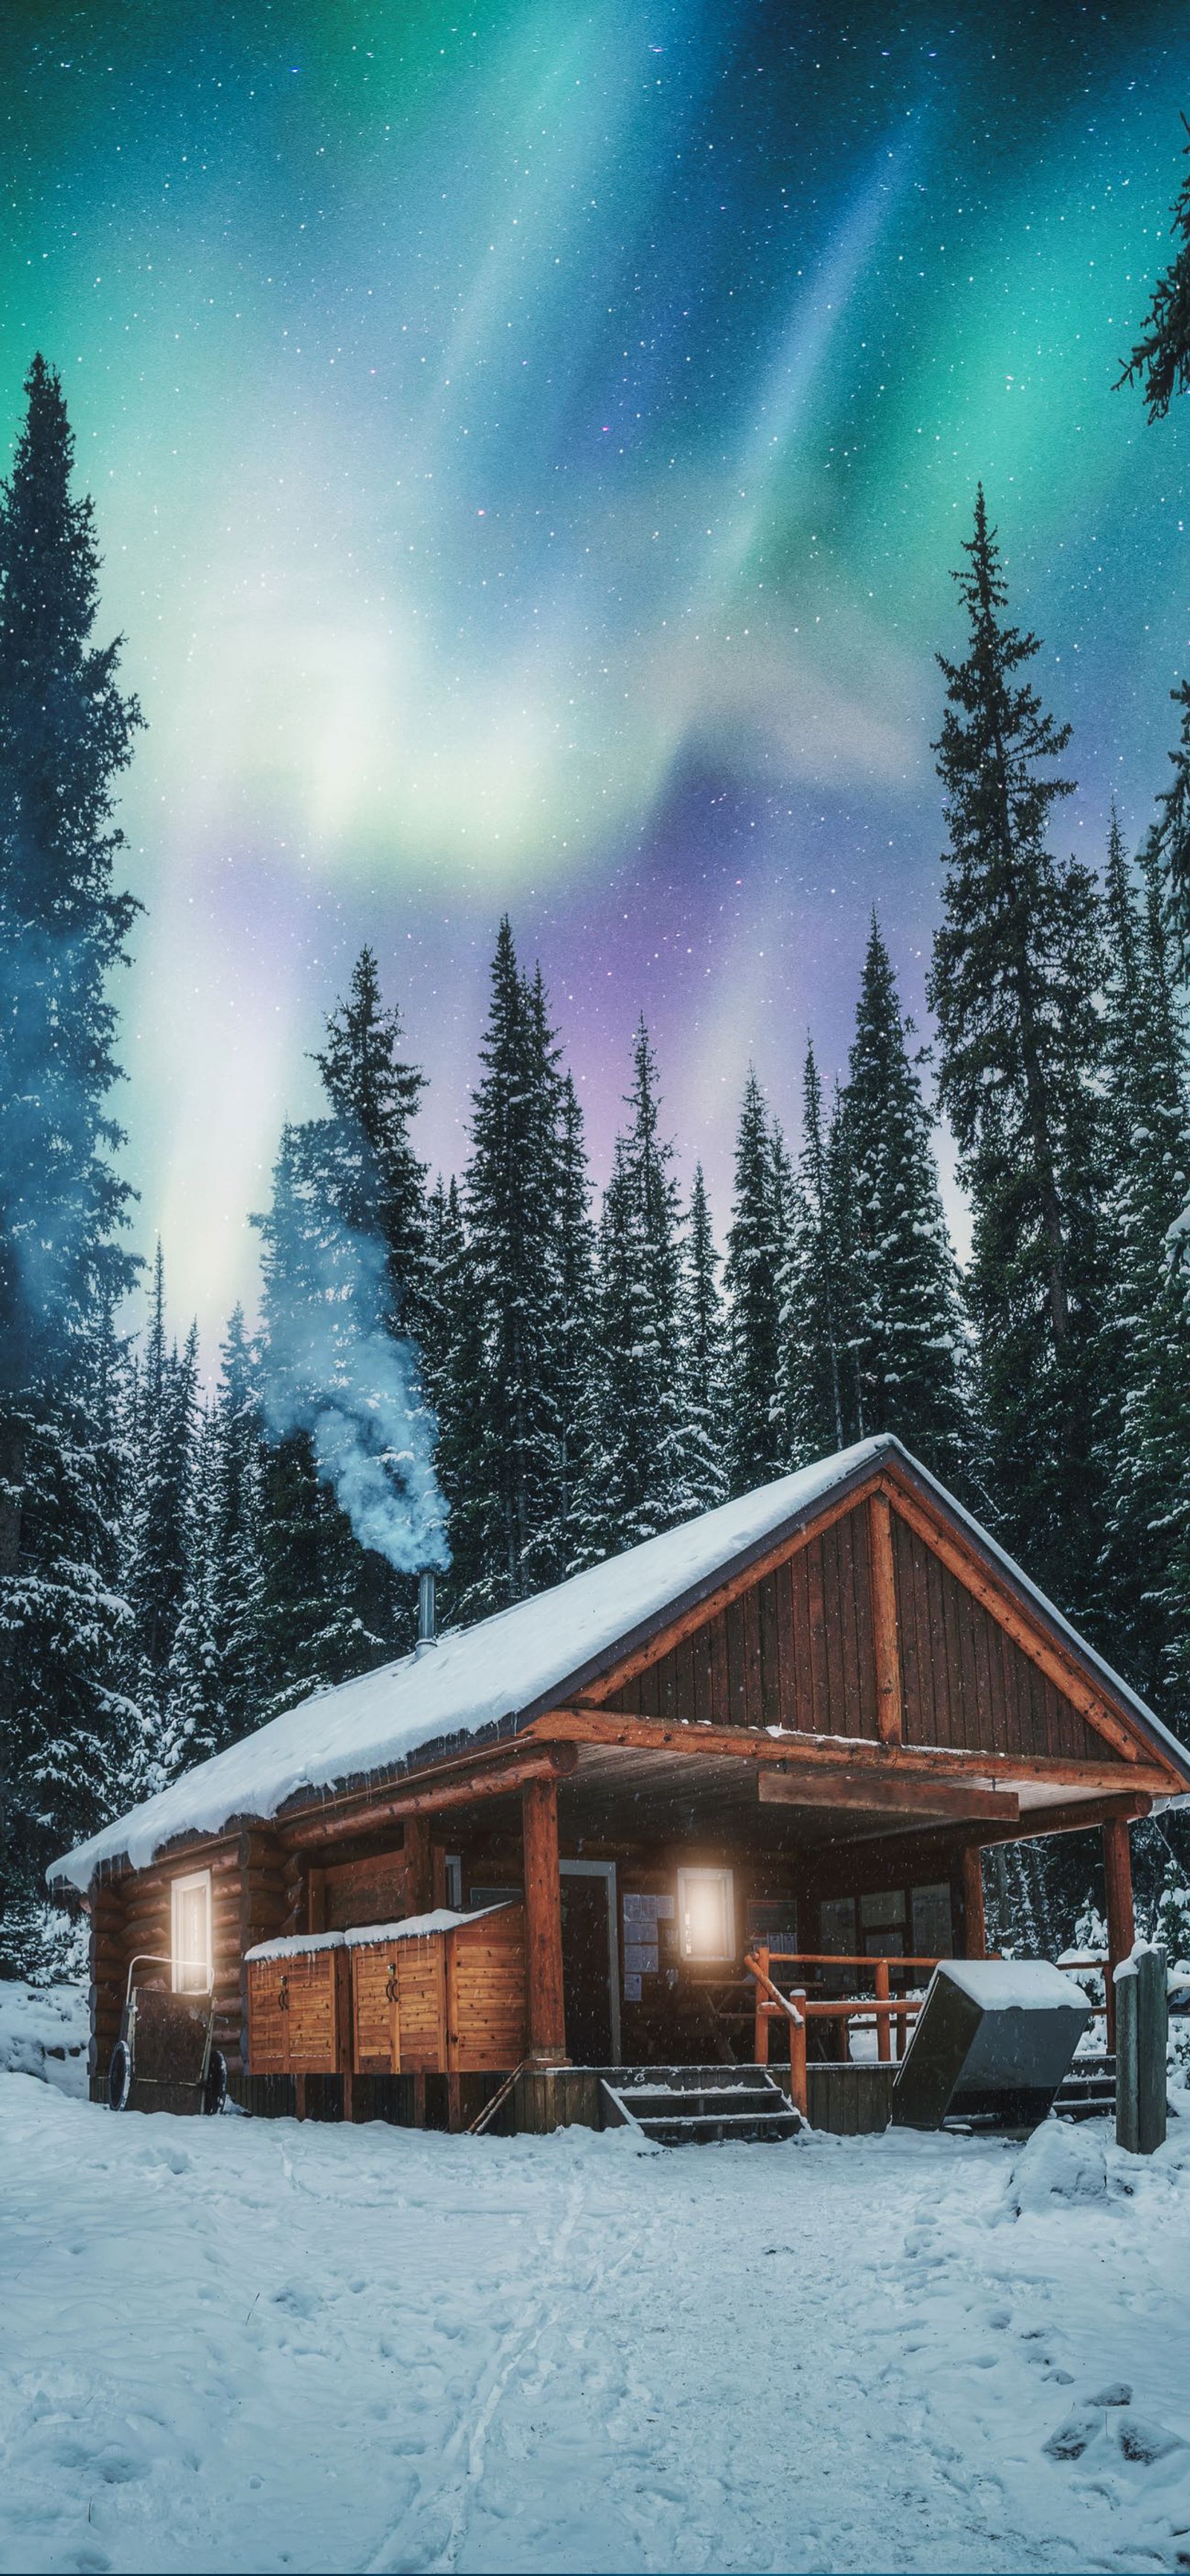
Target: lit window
<point>191,1943</point>
<point>706,1914</point>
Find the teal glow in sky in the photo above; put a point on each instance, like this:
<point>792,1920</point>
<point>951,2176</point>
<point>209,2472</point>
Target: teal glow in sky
<point>529,451</point>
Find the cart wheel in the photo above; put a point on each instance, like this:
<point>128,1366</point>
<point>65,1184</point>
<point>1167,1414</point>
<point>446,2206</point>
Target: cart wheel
<point>119,2076</point>
<point>215,2089</point>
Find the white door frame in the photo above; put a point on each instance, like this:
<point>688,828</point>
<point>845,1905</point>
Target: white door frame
<point>606,1870</point>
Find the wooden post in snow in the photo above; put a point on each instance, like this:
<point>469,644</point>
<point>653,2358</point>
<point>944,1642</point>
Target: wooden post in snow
<point>1142,2032</point>
<point>543,1924</point>
<point>1121,1921</point>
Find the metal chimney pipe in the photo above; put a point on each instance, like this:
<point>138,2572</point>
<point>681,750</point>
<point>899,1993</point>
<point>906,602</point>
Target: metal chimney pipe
<point>427,1634</point>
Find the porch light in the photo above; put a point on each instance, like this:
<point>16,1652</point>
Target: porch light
<point>706,1914</point>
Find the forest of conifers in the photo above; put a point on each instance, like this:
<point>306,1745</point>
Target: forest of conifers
<point>507,1375</point>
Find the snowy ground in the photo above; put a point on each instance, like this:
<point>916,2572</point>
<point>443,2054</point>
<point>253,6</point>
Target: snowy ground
<point>44,2030</point>
<point>241,2345</point>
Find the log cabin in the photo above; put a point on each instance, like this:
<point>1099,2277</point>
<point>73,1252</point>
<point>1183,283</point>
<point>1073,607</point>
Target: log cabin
<point>786,1731</point>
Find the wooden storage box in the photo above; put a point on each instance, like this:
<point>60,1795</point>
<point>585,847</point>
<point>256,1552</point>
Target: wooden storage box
<point>440,1994</point>
<point>299,2006</point>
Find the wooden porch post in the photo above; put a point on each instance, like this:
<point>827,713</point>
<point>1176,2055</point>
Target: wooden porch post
<point>975,1933</point>
<point>543,1923</point>
<point>1121,1922</point>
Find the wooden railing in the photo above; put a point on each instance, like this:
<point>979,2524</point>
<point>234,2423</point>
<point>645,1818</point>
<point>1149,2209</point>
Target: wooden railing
<point>890,2014</point>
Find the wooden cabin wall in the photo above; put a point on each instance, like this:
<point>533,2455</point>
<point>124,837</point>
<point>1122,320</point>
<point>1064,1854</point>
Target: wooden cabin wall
<point>796,1650</point>
<point>132,1916</point>
<point>964,1680</point>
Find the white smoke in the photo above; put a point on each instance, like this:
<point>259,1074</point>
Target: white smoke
<point>334,1370</point>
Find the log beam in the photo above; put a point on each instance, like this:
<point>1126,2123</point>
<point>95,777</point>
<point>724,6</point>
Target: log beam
<point>543,1923</point>
<point>888,1792</point>
<point>885,1641</point>
<point>316,1827</point>
<point>576,1725</point>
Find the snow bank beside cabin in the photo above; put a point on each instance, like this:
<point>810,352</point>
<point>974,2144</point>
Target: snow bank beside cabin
<point>45,2031</point>
<point>468,1681</point>
<point>241,2344</point>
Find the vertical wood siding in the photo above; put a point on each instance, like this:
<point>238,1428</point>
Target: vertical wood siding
<point>797,1650</point>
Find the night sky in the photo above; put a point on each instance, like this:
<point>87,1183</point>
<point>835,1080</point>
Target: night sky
<point>529,449</point>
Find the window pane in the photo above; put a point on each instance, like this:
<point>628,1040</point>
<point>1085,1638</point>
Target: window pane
<point>932,1936</point>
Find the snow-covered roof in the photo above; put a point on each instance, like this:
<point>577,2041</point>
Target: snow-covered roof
<point>521,1661</point>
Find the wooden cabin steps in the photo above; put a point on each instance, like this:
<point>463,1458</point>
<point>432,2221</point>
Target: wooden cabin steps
<point>698,2106</point>
<point>1088,2090</point>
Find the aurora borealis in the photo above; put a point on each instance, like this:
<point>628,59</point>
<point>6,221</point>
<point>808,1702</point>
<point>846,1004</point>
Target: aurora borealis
<point>529,449</point>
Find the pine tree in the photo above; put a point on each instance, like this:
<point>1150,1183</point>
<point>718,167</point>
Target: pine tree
<point>820,1394</point>
<point>1169,841</point>
<point>1144,1368</point>
<point>910,1333</point>
<point>573,1339</point>
<point>1162,358</point>
<point>641,1474</point>
<point>372,1171</point>
<point>1017,966</point>
<point>158,1567</point>
<point>508,1441</point>
<point>65,734</point>
<point>704,1340</point>
<point>753,1274</point>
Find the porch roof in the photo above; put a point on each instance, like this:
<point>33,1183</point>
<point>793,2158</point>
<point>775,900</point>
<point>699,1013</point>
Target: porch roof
<point>486,1681</point>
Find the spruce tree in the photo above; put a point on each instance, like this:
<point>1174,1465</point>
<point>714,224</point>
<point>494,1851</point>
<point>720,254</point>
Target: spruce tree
<point>1161,358</point>
<point>641,1471</point>
<point>910,1334</point>
<point>1017,967</point>
<point>1169,841</point>
<point>65,734</point>
<point>159,1559</point>
<point>507,1531</point>
<point>573,1338</point>
<point>372,1173</point>
<point>1144,1370</point>
<point>705,1358</point>
<point>752,1276</point>
<point>820,1394</point>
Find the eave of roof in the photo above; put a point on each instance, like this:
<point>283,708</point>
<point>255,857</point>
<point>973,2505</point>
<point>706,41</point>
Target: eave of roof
<point>132,1837</point>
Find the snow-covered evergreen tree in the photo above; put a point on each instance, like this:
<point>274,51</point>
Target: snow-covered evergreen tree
<point>753,1274</point>
<point>819,1395</point>
<point>705,1358</point>
<point>507,1443</point>
<point>1018,964</point>
<point>1144,1372</point>
<point>65,734</point>
<point>910,1329</point>
<point>159,1546</point>
<point>642,1470</point>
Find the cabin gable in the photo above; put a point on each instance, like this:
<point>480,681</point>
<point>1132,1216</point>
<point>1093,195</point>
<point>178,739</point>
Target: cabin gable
<point>797,1649</point>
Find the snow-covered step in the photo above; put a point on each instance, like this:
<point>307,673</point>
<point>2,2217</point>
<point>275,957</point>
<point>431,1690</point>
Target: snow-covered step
<point>1088,2090</point>
<point>699,2105</point>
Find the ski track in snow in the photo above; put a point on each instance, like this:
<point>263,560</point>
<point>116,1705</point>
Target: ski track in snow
<point>240,2345</point>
